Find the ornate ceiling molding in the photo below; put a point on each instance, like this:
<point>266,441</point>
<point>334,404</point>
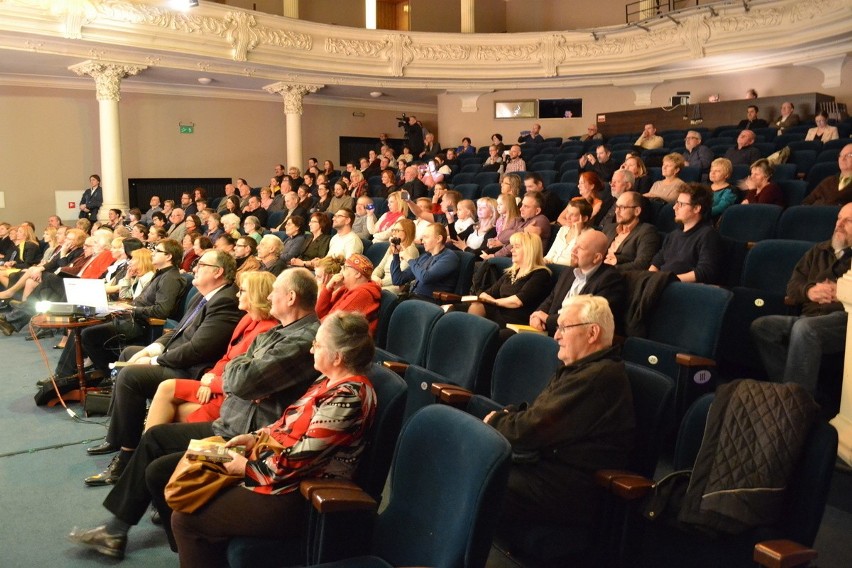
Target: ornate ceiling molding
<point>249,43</point>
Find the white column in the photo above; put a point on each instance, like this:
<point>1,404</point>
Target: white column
<point>843,421</point>
<point>108,78</point>
<point>468,16</point>
<point>290,8</point>
<point>293,95</point>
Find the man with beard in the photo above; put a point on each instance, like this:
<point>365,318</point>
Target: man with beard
<point>791,347</point>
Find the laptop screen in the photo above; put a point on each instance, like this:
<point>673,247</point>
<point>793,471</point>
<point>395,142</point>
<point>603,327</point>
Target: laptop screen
<point>86,292</point>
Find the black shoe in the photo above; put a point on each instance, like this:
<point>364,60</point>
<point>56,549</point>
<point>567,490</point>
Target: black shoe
<point>110,475</point>
<point>156,518</point>
<point>6,327</point>
<point>4,306</point>
<point>103,449</point>
<point>99,539</point>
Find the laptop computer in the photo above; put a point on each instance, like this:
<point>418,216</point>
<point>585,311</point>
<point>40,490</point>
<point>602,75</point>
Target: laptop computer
<point>90,292</point>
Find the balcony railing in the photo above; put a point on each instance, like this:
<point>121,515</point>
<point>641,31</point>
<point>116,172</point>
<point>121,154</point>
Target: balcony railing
<point>646,9</point>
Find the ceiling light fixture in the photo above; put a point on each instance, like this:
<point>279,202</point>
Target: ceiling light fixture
<point>205,80</point>
<point>376,94</point>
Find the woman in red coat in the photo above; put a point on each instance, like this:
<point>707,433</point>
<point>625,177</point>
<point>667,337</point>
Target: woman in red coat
<point>352,290</point>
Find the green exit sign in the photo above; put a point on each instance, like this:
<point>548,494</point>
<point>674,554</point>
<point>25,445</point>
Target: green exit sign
<point>186,128</point>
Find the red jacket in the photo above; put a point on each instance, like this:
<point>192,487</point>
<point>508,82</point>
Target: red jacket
<point>363,299</point>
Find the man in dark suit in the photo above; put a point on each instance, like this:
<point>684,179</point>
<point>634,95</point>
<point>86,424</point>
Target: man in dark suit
<point>633,244</point>
<point>92,199</point>
<point>197,342</point>
<point>589,276</point>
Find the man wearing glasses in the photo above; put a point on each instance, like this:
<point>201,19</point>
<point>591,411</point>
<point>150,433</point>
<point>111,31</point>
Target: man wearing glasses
<point>632,243</point>
<point>581,421</point>
<point>197,342</point>
<point>694,253</point>
<point>697,155</point>
<point>159,299</point>
<point>345,242</point>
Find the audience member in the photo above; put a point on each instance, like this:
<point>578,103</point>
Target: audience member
<point>494,161</point>
<point>261,383</point>
<point>693,254</point>
<point>513,161</point>
<point>404,231</point>
<point>836,189</point>
<point>92,199</point>
<point>591,188</point>
<point>269,251</point>
<point>397,209</point>
<point>759,185</point>
<point>190,400</point>
<point>552,205</point>
<point>320,227</point>
<point>724,195</point>
<point>787,119</point>
<point>574,221</point>
<point>649,140</point>
<point>582,421</point>
<point>531,136</point>
<point>519,289</point>
<point>532,221</point>
<point>589,276</point>
<point>199,340</point>
<point>430,147</point>
<point>822,132</point>
<point>751,121</point>
<point>365,216</point>
<point>642,181</point>
<point>599,163</point>
<point>697,155</point>
<point>351,290</point>
<point>668,188</point>
<point>435,270</point>
<point>632,243</point>
<point>245,249</point>
<point>791,347</point>
<point>476,240</point>
<point>344,243</point>
<point>745,153</point>
<point>154,205</point>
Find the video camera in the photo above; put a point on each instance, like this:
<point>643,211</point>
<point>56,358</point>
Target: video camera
<point>402,121</point>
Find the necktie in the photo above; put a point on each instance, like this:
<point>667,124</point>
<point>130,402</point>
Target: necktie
<point>190,318</point>
<point>844,182</point>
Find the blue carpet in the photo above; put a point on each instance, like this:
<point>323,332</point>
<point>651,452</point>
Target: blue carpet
<point>42,466</point>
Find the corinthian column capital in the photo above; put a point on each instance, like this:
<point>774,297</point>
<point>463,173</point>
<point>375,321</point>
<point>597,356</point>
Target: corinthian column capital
<point>292,94</point>
<point>107,76</point>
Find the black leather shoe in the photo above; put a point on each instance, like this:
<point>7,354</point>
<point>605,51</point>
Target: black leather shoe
<point>102,449</point>
<point>156,519</point>
<point>110,475</point>
<point>99,539</point>
<point>6,327</point>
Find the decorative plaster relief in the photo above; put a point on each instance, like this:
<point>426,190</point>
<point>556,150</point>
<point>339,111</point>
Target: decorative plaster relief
<point>292,94</point>
<point>107,76</point>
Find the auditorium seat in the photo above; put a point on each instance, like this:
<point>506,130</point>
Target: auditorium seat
<point>814,223</point>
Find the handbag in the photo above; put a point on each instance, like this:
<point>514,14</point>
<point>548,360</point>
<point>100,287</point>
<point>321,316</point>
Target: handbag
<point>195,482</point>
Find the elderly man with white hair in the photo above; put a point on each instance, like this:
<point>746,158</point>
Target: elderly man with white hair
<point>581,421</point>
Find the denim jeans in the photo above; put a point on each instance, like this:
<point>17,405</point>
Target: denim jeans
<point>791,347</point>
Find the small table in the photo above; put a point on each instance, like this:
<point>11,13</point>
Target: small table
<point>76,327</point>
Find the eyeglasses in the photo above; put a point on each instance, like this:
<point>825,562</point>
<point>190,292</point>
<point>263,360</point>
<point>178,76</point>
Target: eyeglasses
<point>159,250</point>
<point>679,204</point>
<point>208,265</point>
<point>564,328</point>
<point>241,291</point>
<point>623,207</point>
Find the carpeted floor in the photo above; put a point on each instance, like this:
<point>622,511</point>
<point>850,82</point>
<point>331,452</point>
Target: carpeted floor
<point>42,466</point>
<point>43,463</point>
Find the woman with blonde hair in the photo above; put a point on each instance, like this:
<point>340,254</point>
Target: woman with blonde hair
<point>188,400</point>
<point>404,230</point>
<point>357,184</point>
<point>668,188</point>
<point>397,209</point>
<point>140,271</point>
<point>724,195</point>
<point>521,288</point>
<point>578,214</point>
<point>636,166</point>
<point>512,184</point>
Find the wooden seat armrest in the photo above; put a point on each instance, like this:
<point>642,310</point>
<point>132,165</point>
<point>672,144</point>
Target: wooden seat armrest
<point>446,297</point>
<point>783,554</point>
<point>342,500</point>
<point>624,484</point>
<point>397,367</point>
<point>450,393</point>
<point>688,360</point>
<point>156,322</point>
<point>308,486</point>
